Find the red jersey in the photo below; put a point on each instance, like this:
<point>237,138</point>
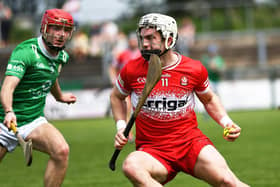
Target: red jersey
<point>167,120</point>
<point>124,57</point>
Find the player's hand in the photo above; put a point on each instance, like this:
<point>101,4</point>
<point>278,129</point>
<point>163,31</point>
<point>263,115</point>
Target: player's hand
<point>231,132</point>
<point>10,117</point>
<point>120,139</point>
<point>68,98</point>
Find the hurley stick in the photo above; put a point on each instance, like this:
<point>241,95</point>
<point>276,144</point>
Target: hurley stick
<point>153,76</point>
<point>26,146</point>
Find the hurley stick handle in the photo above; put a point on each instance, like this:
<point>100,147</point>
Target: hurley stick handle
<point>13,127</point>
<point>153,76</point>
<point>112,163</point>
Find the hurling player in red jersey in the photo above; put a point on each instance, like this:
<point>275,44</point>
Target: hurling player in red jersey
<point>168,140</point>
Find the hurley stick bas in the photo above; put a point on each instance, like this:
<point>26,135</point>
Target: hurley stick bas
<point>153,76</point>
<point>26,146</point>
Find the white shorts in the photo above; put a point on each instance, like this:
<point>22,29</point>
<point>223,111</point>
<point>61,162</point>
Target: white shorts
<point>8,138</point>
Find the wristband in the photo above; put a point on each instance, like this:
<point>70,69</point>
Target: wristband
<point>120,124</point>
<point>225,121</point>
<point>8,111</point>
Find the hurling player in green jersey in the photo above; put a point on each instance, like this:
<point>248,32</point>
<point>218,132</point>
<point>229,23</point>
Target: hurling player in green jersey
<point>32,72</point>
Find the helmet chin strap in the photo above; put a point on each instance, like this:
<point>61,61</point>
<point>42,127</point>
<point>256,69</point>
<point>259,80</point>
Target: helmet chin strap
<point>147,53</point>
<point>49,44</point>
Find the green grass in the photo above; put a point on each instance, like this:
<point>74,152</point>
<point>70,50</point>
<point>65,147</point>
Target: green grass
<point>254,157</point>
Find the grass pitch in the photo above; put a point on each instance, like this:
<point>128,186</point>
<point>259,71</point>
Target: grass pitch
<point>254,157</point>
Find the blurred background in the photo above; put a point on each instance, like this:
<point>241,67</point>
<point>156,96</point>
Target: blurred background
<point>238,41</point>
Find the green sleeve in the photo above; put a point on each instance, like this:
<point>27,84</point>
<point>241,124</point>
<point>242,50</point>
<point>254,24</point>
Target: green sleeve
<point>17,63</point>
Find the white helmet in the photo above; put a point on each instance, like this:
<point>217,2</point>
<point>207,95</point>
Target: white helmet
<point>166,24</point>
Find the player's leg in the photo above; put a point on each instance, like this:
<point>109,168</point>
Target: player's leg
<point>212,168</point>
<point>3,151</point>
<point>8,141</point>
<point>46,138</point>
<point>143,170</point>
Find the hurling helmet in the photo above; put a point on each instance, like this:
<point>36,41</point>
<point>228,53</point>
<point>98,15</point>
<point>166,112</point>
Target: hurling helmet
<point>163,23</point>
<point>56,17</point>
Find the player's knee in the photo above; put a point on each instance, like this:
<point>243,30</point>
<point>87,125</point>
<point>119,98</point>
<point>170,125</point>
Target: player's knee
<point>62,153</point>
<point>227,180</point>
<point>130,167</point>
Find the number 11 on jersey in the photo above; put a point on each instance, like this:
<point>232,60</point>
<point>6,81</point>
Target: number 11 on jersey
<point>164,81</point>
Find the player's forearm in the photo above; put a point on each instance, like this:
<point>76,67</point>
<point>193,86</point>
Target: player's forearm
<point>7,91</point>
<point>216,110</point>
<point>118,105</point>
<point>7,99</point>
<point>56,91</point>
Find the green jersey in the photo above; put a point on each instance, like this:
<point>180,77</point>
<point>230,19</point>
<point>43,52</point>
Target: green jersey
<point>37,71</point>
<point>214,74</point>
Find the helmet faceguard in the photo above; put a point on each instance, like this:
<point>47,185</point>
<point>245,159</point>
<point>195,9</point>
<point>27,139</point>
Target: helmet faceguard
<point>56,17</point>
<point>165,25</point>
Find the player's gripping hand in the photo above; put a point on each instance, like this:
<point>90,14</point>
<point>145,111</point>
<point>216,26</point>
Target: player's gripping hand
<point>68,98</point>
<point>120,139</point>
<point>231,132</point>
<point>9,117</point>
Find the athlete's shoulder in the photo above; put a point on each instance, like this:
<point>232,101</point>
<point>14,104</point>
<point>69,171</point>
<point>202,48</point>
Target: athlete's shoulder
<point>136,62</point>
<point>26,45</point>
<point>136,66</point>
<point>22,51</point>
<point>191,61</point>
<point>28,41</point>
<point>193,64</point>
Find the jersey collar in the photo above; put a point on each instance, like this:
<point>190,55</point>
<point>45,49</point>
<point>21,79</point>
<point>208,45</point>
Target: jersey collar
<point>44,50</point>
<point>172,66</point>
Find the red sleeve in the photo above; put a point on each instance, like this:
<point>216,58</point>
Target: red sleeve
<point>203,84</point>
<point>122,81</point>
